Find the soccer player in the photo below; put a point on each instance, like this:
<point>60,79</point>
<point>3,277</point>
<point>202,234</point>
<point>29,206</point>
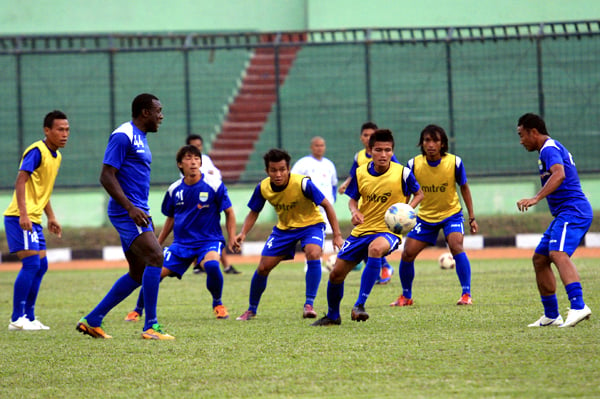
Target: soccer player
<point>377,184</point>
<point>193,207</point>
<point>295,199</point>
<point>23,218</point>
<point>360,158</point>
<point>209,168</point>
<point>438,172</point>
<point>126,177</point>
<point>572,214</point>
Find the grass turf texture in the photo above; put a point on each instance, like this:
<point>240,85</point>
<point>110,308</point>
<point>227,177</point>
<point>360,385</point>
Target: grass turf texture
<point>433,349</point>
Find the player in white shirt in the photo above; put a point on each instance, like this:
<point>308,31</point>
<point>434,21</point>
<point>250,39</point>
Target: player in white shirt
<point>209,168</point>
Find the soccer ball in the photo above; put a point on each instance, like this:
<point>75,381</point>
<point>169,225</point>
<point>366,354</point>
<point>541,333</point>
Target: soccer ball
<point>446,261</point>
<point>330,262</point>
<point>400,218</point>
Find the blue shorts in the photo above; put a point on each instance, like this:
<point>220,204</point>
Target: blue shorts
<point>23,240</point>
<point>356,249</point>
<point>564,234</point>
<point>283,242</point>
<point>178,258</point>
<point>428,232</point>
<point>128,230</point>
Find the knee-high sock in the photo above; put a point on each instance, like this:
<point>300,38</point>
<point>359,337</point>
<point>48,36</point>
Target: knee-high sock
<point>367,280</point>
<point>257,287</point>
<point>550,306</point>
<point>313,279</point>
<point>575,294</point>
<point>463,270</point>
<point>150,284</point>
<point>139,306</point>
<point>122,288</point>
<point>214,281</point>
<point>30,267</point>
<point>407,276</point>
<point>35,289</point>
<point>335,293</point>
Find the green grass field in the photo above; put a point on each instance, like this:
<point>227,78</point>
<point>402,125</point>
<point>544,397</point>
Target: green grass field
<point>434,349</point>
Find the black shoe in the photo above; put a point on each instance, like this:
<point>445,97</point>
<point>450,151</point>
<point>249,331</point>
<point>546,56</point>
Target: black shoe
<point>326,321</point>
<point>359,313</point>
<point>232,270</point>
<point>198,269</point>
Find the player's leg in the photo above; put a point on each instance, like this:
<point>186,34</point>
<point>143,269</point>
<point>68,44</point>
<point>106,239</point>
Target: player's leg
<point>258,284</point>
<point>335,289</point>
<point>412,248</point>
<point>463,266</point>
<point>214,281</point>
<point>312,278</point>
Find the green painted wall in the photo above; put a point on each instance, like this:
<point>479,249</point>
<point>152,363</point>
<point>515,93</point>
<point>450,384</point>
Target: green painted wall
<point>92,16</point>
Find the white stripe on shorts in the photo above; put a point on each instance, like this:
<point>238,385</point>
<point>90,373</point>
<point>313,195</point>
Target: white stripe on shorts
<point>25,240</point>
<point>562,237</point>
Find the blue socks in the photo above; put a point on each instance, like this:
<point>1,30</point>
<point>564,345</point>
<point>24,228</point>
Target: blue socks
<point>407,275</point>
<point>150,283</point>
<point>24,284</point>
<point>35,289</point>
<point>313,279</point>
<point>550,306</point>
<point>463,270</point>
<point>368,278</point>
<point>575,294</point>
<point>214,281</point>
<point>257,287</point>
<point>122,288</point>
<point>335,293</point>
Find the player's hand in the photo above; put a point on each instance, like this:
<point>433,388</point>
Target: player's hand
<point>25,223</point>
<point>524,204</point>
<point>54,227</point>
<point>337,242</point>
<point>357,218</point>
<point>139,217</point>
<point>342,188</point>
<point>233,246</point>
<point>474,227</point>
<point>238,240</point>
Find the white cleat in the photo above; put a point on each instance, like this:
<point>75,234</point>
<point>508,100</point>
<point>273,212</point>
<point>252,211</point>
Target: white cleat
<point>40,325</point>
<point>547,322</point>
<point>22,324</point>
<point>576,315</point>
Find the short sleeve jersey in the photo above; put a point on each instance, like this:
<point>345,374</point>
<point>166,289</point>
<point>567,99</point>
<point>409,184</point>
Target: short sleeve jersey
<point>128,151</point>
<point>568,198</point>
<point>196,210</point>
<point>377,192</point>
<point>295,204</point>
<point>42,164</point>
<point>322,173</point>
<point>438,180</point>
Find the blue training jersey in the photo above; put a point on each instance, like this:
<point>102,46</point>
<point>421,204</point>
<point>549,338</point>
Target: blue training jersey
<point>128,151</point>
<point>568,198</point>
<point>196,210</point>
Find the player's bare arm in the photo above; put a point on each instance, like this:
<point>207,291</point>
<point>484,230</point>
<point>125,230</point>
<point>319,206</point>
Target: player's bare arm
<point>53,226</point>
<point>246,227</point>
<point>166,230</point>
<point>556,178</point>
<point>230,227</point>
<point>342,188</point>
<point>417,198</point>
<point>337,241</point>
<point>468,200</point>
<point>108,179</point>
<point>24,220</point>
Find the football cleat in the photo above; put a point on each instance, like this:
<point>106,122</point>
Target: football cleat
<point>402,301</point>
<point>232,270</point>
<point>359,313</point>
<point>465,299</point>
<point>94,332</point>
<point>221,312</point>
<point>247,315</point>
<point>156,332</point>
<point>309,312</point>
<point>576,315</point>
<point>326,321</point>
<point>133,316</point>
<point>547,322</point>
<point>40,325</point>
<point>386,275</point>
<point>23,324</point>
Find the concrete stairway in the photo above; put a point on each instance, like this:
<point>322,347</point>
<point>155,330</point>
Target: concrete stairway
<point>250,109</point>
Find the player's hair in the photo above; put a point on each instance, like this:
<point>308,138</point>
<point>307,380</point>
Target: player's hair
<point>51,116</point>
<point>141,102</point>
<point>276,155</point>
<point>193,137</point>
<point>368,125</point>
<point>436,132</point>
<point>532,121</point>
<point>187,149</point>
<point>381,135</point>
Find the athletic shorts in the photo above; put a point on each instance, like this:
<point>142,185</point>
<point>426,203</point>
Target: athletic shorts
<point>283,242</point>
<point>23,240</point>
<point>178,258</point>
<point>356,249</point>
<point>428,232</point>
<point>564,234</point>
<point>128,230</point>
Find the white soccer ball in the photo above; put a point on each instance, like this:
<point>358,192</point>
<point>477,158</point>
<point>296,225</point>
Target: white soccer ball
<point>400,218</point>
<point>446,261</point>
<point>330,262</point>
